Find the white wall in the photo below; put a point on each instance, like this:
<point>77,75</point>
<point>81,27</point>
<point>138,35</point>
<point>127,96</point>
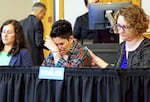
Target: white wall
<point>146,6</point>
<point>73,9</point>
<point>14,9</point>
<point>19,9</point>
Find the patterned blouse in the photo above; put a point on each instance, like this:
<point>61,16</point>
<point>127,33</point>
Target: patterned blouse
<point>78,56</point>
<point>140,58</point>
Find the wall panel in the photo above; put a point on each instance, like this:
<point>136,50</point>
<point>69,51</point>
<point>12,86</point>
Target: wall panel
<point>48,19</point>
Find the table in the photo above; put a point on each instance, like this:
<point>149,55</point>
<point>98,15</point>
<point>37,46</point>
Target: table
<point>21,84</point>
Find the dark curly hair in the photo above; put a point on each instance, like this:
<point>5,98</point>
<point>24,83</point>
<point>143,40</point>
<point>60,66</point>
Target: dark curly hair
<point>62,29</point>
<point>20,39</point>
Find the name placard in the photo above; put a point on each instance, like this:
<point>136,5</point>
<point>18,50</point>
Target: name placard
<point>53,73</point>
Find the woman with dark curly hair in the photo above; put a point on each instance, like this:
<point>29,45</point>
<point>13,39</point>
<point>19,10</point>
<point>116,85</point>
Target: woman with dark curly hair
<point>13,51</point>
<point>65,52</point>
<point>134,52</point>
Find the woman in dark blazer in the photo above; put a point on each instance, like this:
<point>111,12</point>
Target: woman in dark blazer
<point>13,51</point>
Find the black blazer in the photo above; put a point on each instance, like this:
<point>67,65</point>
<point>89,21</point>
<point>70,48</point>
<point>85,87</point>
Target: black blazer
<point>33,29</point>
<point>23,58</point>
<point>81,28</point>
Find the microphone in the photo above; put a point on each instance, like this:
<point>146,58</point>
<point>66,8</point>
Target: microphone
<point>111,20</point>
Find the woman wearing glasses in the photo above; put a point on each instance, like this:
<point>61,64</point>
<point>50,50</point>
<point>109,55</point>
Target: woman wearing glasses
<point>134,51</point>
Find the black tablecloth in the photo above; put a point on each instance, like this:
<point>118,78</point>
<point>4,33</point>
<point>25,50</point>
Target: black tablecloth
<point>21,84</point>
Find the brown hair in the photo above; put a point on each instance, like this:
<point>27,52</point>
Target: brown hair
<point>136,18</point>
<point>20,39</point>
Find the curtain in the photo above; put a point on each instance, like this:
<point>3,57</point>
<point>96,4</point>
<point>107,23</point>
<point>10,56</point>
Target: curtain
<point>21,84</point>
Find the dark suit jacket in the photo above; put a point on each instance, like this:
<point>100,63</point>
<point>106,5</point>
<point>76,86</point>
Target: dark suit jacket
<point>23,58</point>
<point>33,29</point>
<point>81,28</point>
<point>81,32</point>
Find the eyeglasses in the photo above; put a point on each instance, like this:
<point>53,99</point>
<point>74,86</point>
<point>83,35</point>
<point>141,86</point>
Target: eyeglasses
<point>123,27</point>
